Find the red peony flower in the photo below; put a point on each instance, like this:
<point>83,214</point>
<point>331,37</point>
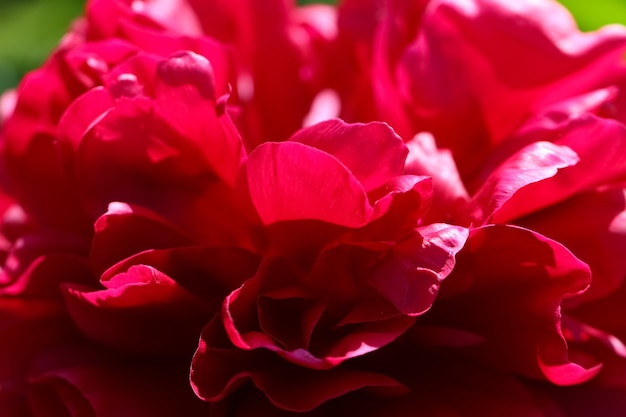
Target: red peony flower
<point>103,89</point>
<point>187,230</point>
<point>347,268</point>
<point>518,117</point>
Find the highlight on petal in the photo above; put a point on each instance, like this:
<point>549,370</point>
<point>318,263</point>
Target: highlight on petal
<point>600,162</point>
<point>326,105</point>
<point>373,152</point>
<point>141,311</point>
<point>149,230</point>
<point>189,68</point>
<point>218,369</point>
<point>534,163</point>
<point>221,269</point>
<point>410,275</point>
<point>185,99</point>
<point>449,193</point>
<point>175,15</point>
<point>7,104</point>
<point>569,373</point>
<point>470,72</point>
<point>293,181</point>
<point>317,321</point>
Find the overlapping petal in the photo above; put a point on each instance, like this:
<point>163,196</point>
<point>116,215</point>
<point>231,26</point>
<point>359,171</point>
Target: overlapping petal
<point>140,311</point>
<point>514,302</point>
<point>483,84</point>
<point>458,251</point>
<point>287,386</point>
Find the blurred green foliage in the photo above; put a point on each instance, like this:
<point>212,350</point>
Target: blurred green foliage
<point>29,29</point>
<point>593,14</point>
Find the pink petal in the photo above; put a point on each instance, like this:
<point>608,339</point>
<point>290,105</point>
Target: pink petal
<point>441,242</point>
<point>292,181</point>
<point>186,100</point>
<point>393,34</point>
<point>372,152</point>
<point>135,148</point>
<point>297,324</point>
<point>410,275</point>
<point>104,18</point>
<point>449,193</point>
<point>535,163</point>
<point>165,45</point>
<point>399,207</point>
<point>278,62</point>
<point>82,114</point>
<point>600,163</point>
<point>462,74</point>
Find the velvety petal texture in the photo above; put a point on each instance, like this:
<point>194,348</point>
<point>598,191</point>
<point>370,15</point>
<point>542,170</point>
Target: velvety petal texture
<point>359,285</point>
<point>245,208</point>
<point>537,275</point>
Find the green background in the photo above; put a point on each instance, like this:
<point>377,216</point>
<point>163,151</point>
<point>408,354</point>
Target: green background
<point>29,29</point>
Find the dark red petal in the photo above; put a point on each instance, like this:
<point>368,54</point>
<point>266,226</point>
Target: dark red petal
<point>507,287</point>
<point>38,262</point>
<point>77,379</point>
<point>141,311</point>
<point>217,370</point>
<point>208,273</point>
<point>125,230</point>
<point>593,226</point>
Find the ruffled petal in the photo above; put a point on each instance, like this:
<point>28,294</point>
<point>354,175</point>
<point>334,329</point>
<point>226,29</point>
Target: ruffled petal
<point>141,311</point>
<point>534,163</point>
<point>150,231</point>
<point>218,370</point>
<point>508,287</point>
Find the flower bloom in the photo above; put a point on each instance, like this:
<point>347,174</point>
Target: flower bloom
<point>518,117</point>
<point>187,229</point>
